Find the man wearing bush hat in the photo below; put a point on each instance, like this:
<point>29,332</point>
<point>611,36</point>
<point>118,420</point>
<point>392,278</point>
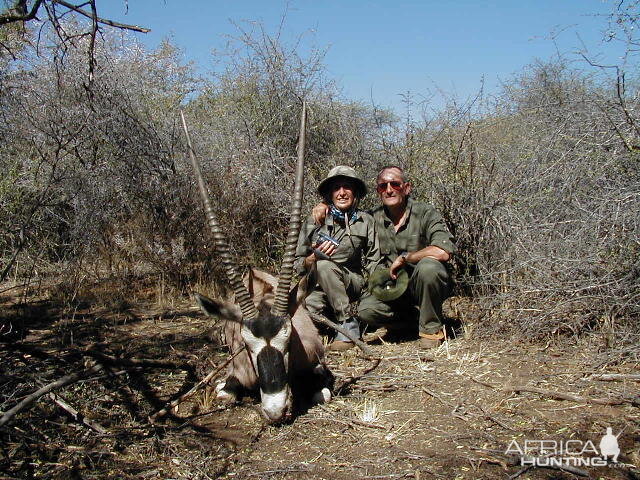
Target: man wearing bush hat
<point>337,254</point>
<point>415,245</point>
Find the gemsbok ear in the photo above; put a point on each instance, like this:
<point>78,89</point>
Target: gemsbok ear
<point>215,308</point>
<point>298,294</point>
<point>259,283</point>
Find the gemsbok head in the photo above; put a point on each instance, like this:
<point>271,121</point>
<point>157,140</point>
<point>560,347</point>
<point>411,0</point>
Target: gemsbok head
<point>280,339</point>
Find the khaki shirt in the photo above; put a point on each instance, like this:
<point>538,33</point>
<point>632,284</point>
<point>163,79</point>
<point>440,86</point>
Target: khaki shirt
<point>423,227</point>
<point>357,252</point>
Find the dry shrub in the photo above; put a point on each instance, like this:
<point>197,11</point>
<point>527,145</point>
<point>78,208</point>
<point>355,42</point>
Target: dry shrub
<point>99,186</point>
<point>542,189</point>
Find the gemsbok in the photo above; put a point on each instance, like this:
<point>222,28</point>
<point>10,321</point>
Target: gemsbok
<point>278,348</point>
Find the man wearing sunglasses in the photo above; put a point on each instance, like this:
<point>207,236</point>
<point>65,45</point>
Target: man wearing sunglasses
<point>413,237</point>
<point>336,253</point>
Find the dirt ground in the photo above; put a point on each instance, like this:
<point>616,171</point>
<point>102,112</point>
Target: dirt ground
<point>448,413</point>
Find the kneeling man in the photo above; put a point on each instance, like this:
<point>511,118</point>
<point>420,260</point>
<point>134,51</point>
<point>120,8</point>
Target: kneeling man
<point>337,254</point>
<point>414,238</point>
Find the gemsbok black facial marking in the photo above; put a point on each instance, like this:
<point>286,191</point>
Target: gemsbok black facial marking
<point>267,328</point>
<point>271,370</point>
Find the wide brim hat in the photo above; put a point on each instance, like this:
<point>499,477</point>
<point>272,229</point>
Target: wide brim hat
<point>384,288</point>
<point>345,172</point>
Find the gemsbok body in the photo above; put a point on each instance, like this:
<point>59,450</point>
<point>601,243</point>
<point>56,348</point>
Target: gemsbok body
<point>283,352</point>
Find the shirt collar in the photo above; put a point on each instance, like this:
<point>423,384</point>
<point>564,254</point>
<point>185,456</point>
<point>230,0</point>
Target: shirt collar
<point>387,220</point>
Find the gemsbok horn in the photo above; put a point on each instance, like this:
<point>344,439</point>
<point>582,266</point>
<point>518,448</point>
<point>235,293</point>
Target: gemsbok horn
<point>284,352</point>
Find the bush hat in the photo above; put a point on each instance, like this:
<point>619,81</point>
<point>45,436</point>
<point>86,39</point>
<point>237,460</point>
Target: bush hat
<point>384,288</point>
<point>346,172</point>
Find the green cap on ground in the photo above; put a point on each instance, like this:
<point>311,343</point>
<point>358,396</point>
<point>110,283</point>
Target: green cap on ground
<point>345,172</point>
<point>384,288</point>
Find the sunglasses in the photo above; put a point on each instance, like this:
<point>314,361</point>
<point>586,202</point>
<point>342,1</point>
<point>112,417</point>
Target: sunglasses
<point>382,187</point>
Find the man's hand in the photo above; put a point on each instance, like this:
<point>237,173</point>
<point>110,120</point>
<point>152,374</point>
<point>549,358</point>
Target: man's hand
<point>319,213</point>
<point>325,247</point>
<point>396,266</point>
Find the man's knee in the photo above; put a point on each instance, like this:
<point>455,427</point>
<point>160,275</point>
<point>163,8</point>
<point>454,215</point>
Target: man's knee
<point>429,271</point>
<point>372,311</point>
<point>430,280</point>
<point>316,302</point>
<point>326,268</point>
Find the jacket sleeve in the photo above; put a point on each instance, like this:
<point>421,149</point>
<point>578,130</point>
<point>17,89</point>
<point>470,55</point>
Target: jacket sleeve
<point>372,256</point>
<point>303,249</point>
<point>436,231</point>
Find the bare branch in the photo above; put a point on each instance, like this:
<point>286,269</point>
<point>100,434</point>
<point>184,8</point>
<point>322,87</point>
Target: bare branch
<point>24,17</point>
<point>62,382</point>
<point>77,416</point>
<point>104,21</point>
<point>201,384</point>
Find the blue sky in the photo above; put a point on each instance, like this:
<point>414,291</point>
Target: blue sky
<point>379,48</point>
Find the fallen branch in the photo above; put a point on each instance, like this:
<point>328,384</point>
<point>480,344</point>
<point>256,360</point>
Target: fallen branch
<point>359,343</point>
<point>493,419</point>
<point>349,422</point>
<point>195,388</point>
<point>77,416</point>
<point>353,378</point>
<point>635,401</point>
<point>484,384</point>
<point>572,398</point>
<point>491,460</point>
<point>520,472</point>
<point>436,396</point>
<point>62,382</point>
<point>614,377</point>
<point>367,424</point>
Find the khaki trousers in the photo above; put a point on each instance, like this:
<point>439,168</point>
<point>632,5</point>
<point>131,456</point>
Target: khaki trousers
<point>335,288</point>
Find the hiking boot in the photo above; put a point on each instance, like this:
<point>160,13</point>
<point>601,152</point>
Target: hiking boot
<point>431,340</point>
<point>342,342</point>
<point>340,346</point>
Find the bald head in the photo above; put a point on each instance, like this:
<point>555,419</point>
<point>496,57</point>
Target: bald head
<point>395,169</point>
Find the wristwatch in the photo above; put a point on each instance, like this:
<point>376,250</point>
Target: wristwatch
<point>404,256</point>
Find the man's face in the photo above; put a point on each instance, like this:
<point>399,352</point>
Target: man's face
<point>342,194</point>
<point>392,190</point>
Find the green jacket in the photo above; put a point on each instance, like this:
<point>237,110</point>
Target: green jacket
<point>357,252</point>
<point>424,227</point>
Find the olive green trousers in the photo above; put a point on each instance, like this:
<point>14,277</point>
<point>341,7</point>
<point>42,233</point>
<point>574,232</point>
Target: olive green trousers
<point>429,286</point>
<point>335,287</point>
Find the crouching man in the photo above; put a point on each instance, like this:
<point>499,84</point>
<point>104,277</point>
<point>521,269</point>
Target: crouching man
<point>413,238</point>
<point>337,254</point>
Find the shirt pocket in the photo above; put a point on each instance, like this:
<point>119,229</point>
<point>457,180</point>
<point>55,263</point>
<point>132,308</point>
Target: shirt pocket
<point>353,243</point>
<point>413,242</point>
